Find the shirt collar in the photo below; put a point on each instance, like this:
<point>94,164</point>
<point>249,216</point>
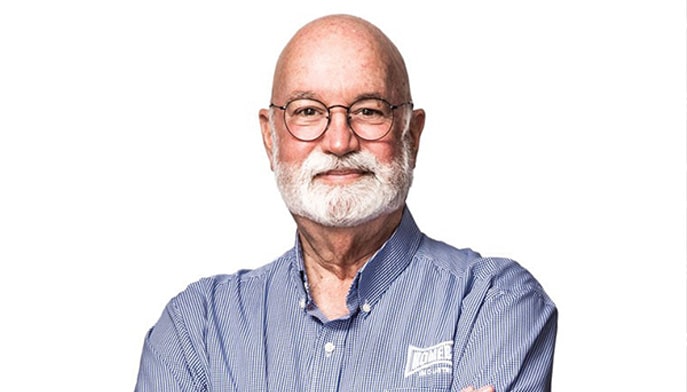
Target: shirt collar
<point>392,258</point>
<point>375,277</point>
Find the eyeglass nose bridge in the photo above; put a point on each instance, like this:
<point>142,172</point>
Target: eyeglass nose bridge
<point>348,118</point>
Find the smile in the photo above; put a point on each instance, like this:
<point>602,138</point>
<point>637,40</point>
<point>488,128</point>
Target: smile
<point>342,175</point>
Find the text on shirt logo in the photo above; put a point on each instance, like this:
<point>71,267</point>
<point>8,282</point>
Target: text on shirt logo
<point>420,360</point>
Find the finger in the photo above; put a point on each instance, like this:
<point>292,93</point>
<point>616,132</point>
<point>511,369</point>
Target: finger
<point>468,389</point>
<point>486,388</point>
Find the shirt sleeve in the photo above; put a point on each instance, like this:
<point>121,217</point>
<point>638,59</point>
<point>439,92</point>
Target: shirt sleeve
<point>170,360</point>
<point>508,336</point>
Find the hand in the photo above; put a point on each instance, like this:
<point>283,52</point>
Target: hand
<point>486,388</point>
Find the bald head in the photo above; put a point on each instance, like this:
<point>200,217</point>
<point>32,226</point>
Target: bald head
<point>340,48</point>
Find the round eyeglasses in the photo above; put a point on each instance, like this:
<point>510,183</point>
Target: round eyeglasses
<point>369,118</point>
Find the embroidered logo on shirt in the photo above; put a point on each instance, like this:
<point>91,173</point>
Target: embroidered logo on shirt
<point>421,360</point>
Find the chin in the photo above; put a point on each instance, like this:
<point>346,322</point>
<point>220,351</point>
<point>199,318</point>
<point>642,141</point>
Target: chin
<point>347,206</point>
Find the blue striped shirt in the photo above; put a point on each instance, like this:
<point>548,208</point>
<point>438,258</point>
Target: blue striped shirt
<point>424,316</point>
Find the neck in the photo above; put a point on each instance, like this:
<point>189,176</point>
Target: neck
<point>333,255</point>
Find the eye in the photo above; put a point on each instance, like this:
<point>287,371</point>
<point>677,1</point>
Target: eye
<point>370,109</point>
<point>371,112</point>
<point>306,109</point>
<point>307,112</point>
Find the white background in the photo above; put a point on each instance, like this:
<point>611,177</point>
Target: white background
<point>131,165</point>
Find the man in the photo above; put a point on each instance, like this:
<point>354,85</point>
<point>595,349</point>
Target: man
<point>364,301</point>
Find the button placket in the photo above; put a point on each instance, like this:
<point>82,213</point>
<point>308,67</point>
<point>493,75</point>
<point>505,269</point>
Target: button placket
<point>327,358</point>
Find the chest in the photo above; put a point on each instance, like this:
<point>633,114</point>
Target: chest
<point>401,343</point>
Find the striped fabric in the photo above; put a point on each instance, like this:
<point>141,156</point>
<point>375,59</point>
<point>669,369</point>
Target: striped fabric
<point>424,316</point>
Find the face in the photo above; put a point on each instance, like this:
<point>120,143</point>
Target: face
<point>339,179</point>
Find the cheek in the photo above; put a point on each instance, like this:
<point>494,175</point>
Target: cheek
<point>386,155</point>
<point>293,151</point>
<point>385,150</point>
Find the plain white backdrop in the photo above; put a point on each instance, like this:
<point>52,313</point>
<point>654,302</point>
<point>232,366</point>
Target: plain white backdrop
<point>131,164</point>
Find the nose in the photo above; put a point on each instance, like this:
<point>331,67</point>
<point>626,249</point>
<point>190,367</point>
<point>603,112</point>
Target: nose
<point>339,139</point>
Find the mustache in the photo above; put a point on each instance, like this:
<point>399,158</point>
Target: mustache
<point>318,162</point>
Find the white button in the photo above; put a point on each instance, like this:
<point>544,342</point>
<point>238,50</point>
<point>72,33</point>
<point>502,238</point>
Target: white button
<point>301,303</point>
<point>366,307</point>
<point>329,347</point>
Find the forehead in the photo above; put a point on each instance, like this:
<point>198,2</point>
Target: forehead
<point>331,66</point>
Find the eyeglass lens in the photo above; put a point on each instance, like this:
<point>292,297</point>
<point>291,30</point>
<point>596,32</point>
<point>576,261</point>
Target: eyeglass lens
<point>369,118</point>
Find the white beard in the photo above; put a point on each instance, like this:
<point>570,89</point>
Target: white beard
<point>383,190</point>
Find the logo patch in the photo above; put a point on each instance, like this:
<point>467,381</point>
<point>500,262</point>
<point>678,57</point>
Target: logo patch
<point>420,360</point>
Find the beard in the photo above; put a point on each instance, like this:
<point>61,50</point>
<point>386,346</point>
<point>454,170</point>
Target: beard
<point>381,190</point>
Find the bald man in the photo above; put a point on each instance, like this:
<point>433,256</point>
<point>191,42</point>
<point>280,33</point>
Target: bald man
<point>363,301</point>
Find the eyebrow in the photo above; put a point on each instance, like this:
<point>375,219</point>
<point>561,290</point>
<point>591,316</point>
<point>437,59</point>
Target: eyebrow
<point>301,94</point>
<point>308,94</point>
<point>368,96</point>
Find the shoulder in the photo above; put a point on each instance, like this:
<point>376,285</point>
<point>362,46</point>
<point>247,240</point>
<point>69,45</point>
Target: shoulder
<point>499,276</point>
<point>220,288</point>
<point>445,256</point>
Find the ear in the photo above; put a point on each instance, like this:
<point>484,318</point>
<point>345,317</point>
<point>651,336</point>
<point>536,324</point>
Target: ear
<point>267,141</point>
<point>417,124</point>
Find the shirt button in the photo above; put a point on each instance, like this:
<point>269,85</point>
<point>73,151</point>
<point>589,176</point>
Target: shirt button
<point>366,307</point>
<point>301,303</point>
<point>329,347</point>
